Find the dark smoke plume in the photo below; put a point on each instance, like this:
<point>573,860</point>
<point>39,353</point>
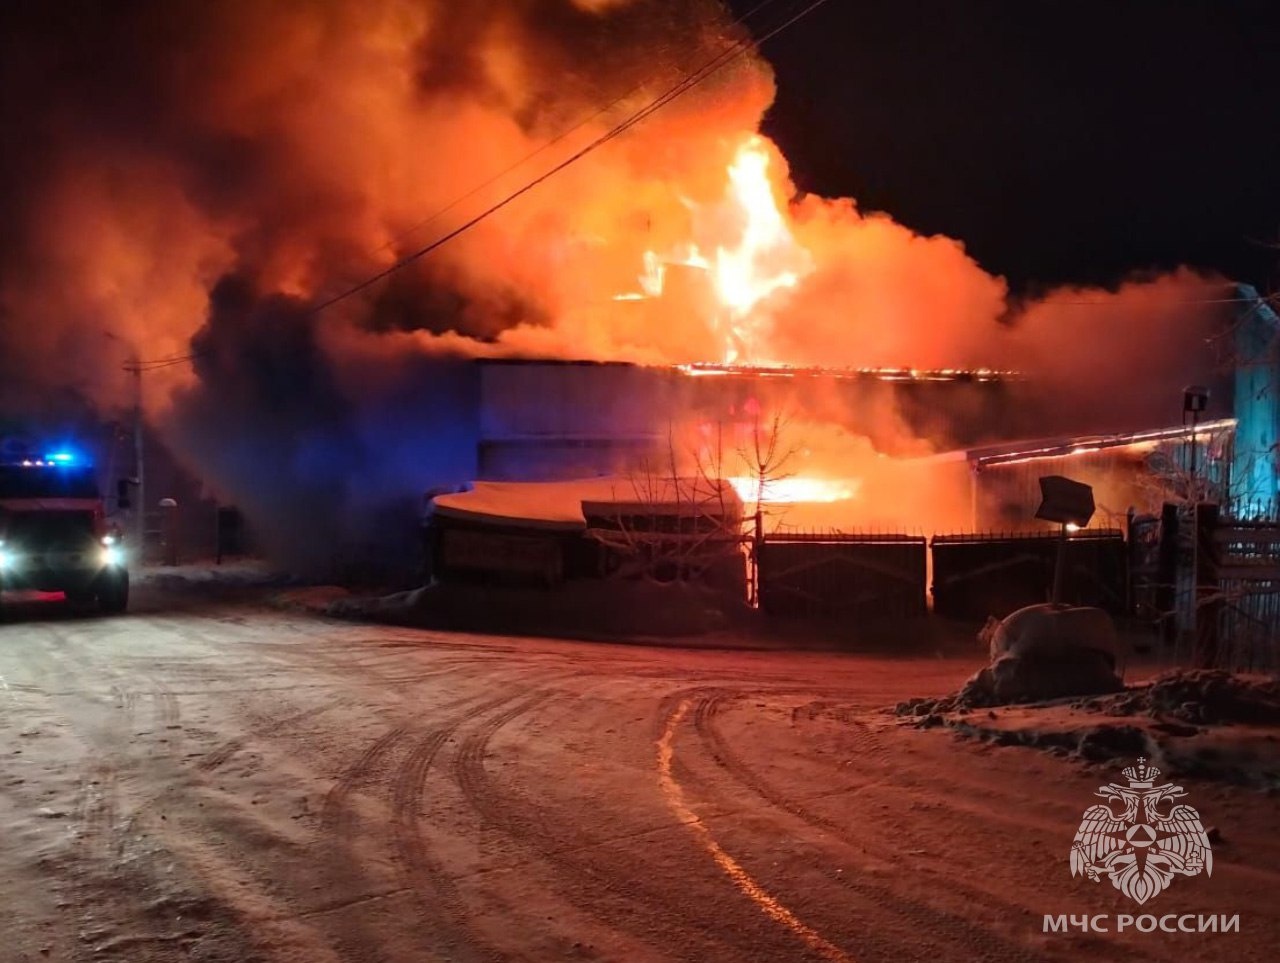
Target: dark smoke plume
<point>185,178</point>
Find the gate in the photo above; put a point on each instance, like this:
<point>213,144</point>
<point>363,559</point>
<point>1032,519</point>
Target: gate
<point>842,576</point>
<point>975,576</point>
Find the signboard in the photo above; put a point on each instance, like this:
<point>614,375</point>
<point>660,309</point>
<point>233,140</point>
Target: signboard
<point>1065,501</point>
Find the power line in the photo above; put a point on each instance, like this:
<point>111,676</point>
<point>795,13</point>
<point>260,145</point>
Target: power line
<point>542,148</point>
<point>686,84</point>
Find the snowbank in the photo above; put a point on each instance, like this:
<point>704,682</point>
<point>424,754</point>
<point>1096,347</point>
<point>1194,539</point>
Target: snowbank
<point>1014,679</point>
<point>1199,723</point>
<point>240,572</point>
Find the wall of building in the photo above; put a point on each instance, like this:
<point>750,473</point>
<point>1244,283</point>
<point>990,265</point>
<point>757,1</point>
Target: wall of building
<point>543,420</point>
<point>1257,405</point>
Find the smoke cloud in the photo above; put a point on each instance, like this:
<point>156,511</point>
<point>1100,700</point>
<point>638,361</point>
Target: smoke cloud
<point>194,177</point>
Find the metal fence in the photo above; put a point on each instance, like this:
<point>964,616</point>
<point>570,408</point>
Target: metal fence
<point>1243,602</point>
<point>1211,586</point>
<point>823,576</point>
<point>979,575</point>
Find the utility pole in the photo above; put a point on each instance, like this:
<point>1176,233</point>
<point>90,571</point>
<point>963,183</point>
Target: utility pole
<point>133,365</point>
<point>140,512</point>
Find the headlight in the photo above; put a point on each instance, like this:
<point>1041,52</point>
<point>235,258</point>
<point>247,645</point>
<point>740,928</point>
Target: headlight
<point>108,539</point>
<point>112,555</point>
<point>7,559</point>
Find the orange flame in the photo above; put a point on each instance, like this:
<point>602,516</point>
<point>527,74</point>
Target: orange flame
<point>765,259</point>
<point>761,259</point>
<point>795,490</point>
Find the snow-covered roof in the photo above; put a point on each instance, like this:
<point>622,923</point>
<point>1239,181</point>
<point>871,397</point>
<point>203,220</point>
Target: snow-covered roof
<point>565,505</point>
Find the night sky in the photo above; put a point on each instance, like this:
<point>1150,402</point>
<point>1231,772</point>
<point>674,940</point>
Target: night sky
<point>1061,141</point>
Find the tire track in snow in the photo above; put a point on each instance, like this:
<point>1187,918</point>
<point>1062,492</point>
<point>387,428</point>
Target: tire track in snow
<point>762,898</point>
<point>419,868</point>
<point>336,814</point>
<point>955,930</point>
<point>651,912</point>
<point>222,753</point>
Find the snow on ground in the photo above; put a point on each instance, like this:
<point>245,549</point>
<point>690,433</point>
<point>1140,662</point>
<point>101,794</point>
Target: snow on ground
<point>239,571</point>
<point>227,781</point>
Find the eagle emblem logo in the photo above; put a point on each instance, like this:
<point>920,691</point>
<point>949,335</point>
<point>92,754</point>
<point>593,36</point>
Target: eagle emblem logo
<point>1140,838</point>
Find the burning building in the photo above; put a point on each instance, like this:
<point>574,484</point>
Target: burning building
<point>311,240</point>
<point>543,419</point>
<point>1131,473</point>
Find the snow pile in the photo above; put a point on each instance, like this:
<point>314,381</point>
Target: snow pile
<point>1039,652</point>
<point>1046,675</point>
<point>1201,697</point>
<point>310,598</point>
<point>1197,723</point>
<point>240,572</point>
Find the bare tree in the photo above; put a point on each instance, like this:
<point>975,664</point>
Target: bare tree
<point>766,456</point>
<point>670,524</point>
<point>680,517</point>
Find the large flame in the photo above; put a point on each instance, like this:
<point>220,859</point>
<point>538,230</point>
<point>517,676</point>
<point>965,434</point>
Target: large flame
<point>765,259</point>
<point>754,257</point>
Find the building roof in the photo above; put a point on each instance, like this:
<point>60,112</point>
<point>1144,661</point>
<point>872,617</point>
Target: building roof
<point>1030,450</point>
<point>566,505</point>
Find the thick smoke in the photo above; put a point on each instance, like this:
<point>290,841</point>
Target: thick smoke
<point>194,177</point>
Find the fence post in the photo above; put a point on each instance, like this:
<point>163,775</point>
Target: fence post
<point>169,530</point>
<point>1208,600</point>
<point>1167,573</point>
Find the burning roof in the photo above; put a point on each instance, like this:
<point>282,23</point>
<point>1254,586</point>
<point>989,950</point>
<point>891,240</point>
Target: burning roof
<point>976,375</point>
<point>1024,451</point>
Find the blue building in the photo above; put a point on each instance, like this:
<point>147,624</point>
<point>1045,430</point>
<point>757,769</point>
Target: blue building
<point>1255,471</point>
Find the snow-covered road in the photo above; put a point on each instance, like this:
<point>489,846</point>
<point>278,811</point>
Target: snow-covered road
<point>238,783</point>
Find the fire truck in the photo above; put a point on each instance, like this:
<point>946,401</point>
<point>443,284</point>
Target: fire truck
<point>55,535</point>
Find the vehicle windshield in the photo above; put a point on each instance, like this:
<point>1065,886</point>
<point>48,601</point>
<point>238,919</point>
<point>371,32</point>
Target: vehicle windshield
<point>18,481</point>
<point>47,530</point>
